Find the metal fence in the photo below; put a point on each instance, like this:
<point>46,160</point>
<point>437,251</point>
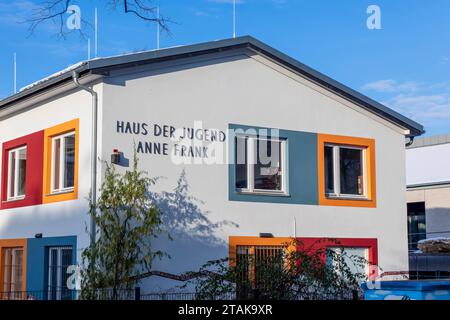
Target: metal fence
<point>40,295</point>
<point>135,294</point>
<point>184,296</point>
<point>429,266</point>
<point>61,295</point>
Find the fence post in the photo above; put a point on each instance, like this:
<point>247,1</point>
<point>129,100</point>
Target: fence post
<point>137,293</point>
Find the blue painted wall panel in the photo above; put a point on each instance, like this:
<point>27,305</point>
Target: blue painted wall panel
<point>302,180</point>
<point>37,259</point>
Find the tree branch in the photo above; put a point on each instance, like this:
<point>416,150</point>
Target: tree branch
<point>55,10</point>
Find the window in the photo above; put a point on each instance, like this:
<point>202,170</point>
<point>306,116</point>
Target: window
<point>260,165</point>
<point>416,224</point>
<point>252,255</point>
<point>250,259</point>
<point>59,258</point>
<point>21,171</point>
<point>60,176</point>
<point>17,161</point>
<point>12,267</point>
<point>63,163</point>
<point>355,258</point>
<point>345,171</point>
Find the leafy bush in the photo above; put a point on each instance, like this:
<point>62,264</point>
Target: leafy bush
<point>307,273</point>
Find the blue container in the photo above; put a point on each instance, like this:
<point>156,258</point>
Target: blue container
<point>407,290</point>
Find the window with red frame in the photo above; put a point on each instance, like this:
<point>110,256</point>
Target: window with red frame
<point>22,171</point>
<point>17,163</point>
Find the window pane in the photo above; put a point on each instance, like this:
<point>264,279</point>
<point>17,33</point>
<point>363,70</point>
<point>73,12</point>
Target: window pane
<point>329,170</point>
<point>22,155</point>
<point>351,171</point>
<point>16,278</point>
<point>6,267</point>
<point>416,224</point>
<point>244,270</point>
<point>12,173</point>
<point>241,163</point>
<point>268,261</point>
<point>66,261</point>
<point>69,161</point>
<point>53,274</point>
<point>354,258</point>
<point>56,164</point>
<point>268,169</point>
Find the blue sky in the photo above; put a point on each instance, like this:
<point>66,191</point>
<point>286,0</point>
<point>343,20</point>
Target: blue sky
<point>405,65</point>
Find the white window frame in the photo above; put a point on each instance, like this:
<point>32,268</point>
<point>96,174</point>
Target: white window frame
<point>251,149</point>
<point>339,250</point>
<point>59,271</point>
<point>62,167</point>
<point>15,196</point>
<point>337,172</point>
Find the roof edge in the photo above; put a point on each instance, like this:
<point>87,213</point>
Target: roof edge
<point>104,64</point>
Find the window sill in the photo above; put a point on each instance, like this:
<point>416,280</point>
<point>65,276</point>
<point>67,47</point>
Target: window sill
<point>14,199</point>
<point>331,197</point>
<point>263,193</point>
<point>57,193</point>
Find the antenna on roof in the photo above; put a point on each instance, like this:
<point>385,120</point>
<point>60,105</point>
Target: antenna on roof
<point>96,34</point>
<point>15,73</point>
<point>234,18</point>
<point>157,27</point>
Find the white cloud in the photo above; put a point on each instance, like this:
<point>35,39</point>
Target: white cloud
<point>423,108</point>
<point>14,12</point>
<point>444,60</point>
<point>432,109</point>
<point>428,104</point>
<point>391,86</point>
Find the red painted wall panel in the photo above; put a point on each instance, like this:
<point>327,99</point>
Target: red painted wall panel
<point>320,243</point>
<point>34,170</point>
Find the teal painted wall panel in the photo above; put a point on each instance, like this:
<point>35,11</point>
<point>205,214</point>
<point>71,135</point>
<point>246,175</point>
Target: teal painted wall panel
<point>37,259</point>
<point>302,180</point>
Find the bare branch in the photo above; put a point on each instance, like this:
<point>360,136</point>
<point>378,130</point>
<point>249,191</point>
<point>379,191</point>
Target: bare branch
<point>54,11</point>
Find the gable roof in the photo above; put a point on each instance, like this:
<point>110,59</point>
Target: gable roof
<point>103,65</point>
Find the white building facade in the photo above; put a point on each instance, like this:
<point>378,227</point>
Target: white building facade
<point>199,118</point>
<point>428,185</point>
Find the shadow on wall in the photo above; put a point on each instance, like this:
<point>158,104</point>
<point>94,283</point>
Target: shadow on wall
<point>195,238</point>
<point>184,218</point>
<point>438,222</point>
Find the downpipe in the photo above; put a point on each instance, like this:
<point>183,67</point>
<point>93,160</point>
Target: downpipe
<point>75,77</point>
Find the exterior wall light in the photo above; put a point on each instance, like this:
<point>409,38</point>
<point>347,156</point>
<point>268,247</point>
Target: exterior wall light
<point>265,235</point>
<point>115,156</point>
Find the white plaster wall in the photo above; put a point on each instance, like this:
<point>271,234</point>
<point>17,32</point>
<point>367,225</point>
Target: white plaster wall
<point>428,164</point>
<point>246,91</point>
<point>61,218</point>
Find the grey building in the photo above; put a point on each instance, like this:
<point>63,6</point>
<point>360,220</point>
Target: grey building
<point>428,199</point>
